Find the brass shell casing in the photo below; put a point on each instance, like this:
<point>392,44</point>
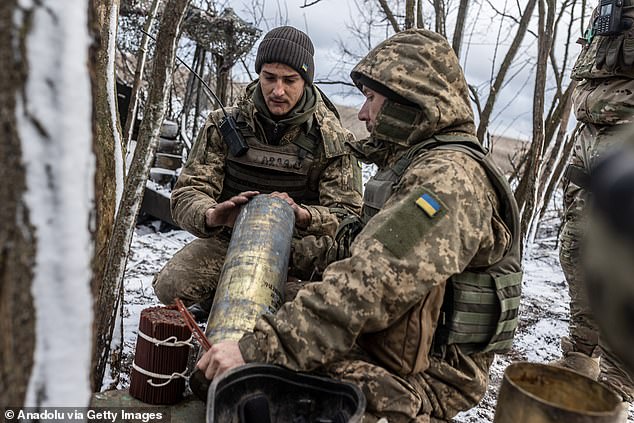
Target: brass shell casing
<point>255,268</point>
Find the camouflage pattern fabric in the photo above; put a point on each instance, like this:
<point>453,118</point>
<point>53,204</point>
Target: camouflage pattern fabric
<point>607,56</point>
<point>591,143</point>
<point>401,259</point>
<point>193,272</point>
<point>604,106</point>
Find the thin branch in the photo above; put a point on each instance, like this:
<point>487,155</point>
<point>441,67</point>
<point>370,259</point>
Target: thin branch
<point>309,4</point>
<point>332,82</point>
<point>389,15</point>
<point>513,18</point>
<point>460,23</point>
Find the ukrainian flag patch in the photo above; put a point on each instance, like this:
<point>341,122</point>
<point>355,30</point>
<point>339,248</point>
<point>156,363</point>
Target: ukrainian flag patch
<point>428,204</point>
<point>305,67</point>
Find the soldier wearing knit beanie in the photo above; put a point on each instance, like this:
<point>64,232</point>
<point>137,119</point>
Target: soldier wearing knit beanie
<point>289,46</point>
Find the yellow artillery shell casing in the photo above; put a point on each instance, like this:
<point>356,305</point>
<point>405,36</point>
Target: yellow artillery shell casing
<point>255,269</point>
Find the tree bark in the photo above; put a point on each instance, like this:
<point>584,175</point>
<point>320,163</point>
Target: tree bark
<point>410,13</point>
<point>17,250</point>
<point>458,32</point>
<point>138,74</point>
<point>527,191</point>
<point>485,116</point>
<point>557,164</point>
<point>420,20</point>
<point>47,191</point>
<point>108,301</point>
<point>440,12</point>
<point>389,15</point>
<point>109,147</point>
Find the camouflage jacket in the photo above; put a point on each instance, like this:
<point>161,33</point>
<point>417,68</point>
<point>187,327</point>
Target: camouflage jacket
<point>604,94</point>
<point>201,181</point>
<point>405,255</point>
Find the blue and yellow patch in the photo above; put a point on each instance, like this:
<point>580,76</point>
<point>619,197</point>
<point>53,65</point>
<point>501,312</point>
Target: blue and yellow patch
<point>305,67</point>
<point>428,204</point>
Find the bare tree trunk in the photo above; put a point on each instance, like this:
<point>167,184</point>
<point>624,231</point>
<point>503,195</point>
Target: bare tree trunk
<point>201,99</point>
<point>527,191</point>
<point>460,23</point>
<point>389,15</point>
<point>420,20</point>
<point>440,11</point>
<point>119,247</point>
<point>485,116</point>
<point>410,10</point>
<point>559,166</point>
<point>223,72</point>
<point>193,92</point>
<point>17,249</point>
<point>138,74</point>
<point>552,168</point>
<point>109,147</point>
<point>47,173</point>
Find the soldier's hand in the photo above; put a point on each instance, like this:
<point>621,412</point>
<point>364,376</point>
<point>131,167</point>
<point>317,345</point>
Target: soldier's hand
<point>225,213</point>
<point>219,358</point>
<point>302,216</point>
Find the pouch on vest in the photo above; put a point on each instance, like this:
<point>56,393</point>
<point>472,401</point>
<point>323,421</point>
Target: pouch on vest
<point>480,312</point>
<point>608,55</point>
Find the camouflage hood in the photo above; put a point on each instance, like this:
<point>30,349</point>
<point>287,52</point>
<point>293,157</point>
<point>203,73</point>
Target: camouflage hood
<point>429,94</point>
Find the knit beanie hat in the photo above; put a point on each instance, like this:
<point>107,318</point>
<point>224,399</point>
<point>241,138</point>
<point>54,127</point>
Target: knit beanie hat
<point>289,46</point>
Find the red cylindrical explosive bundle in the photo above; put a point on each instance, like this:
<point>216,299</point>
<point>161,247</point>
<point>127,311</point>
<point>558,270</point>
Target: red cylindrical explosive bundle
<point>160,360</point>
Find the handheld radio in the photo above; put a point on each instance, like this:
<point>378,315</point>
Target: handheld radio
<point>609,20</point>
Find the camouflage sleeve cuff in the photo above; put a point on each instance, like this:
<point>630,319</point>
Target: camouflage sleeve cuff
<point>249,349</point>
<point>322,221</point>
<point>200,228</point>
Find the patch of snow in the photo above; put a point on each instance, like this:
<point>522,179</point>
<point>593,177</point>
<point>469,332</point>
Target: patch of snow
<point>54,123</point>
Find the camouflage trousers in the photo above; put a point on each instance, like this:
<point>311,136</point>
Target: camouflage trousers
<point>192,274</point>
<point>591,141</point>
<point>435,395</point>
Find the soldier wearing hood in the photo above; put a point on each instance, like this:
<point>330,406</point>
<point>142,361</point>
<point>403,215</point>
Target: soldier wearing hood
<point>431,288</point>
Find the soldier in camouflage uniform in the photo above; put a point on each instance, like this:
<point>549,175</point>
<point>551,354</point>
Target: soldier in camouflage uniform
<point>296,151</point>
<point>604,106</point>
<point>432,286</point>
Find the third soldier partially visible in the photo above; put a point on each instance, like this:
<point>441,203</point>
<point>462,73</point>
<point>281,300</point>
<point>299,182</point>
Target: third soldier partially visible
<point>604,106</point>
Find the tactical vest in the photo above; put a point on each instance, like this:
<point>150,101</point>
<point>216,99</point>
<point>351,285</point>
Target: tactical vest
<point>480,308</point>
<point>294,168</point>
<point>616,48</point>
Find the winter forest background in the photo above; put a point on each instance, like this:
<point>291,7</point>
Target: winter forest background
<point>71,199</point>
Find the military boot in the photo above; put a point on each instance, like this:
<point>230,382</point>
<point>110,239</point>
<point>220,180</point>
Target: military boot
<point>578,361</point>
<point>616,376</point>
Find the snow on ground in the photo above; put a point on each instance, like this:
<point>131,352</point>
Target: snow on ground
<point>543,312</point>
